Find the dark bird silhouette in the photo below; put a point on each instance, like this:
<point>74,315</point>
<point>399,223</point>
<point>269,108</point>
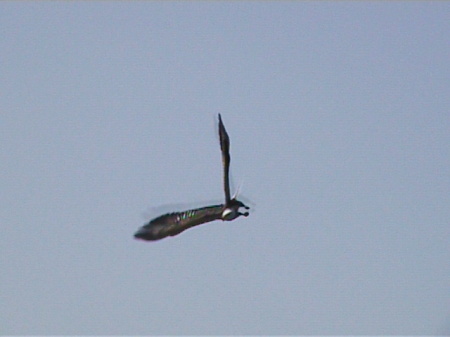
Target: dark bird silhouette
<point>171,224</point>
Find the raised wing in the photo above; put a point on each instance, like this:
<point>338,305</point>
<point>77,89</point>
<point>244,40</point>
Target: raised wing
<point>174,223</point>
<point>225,148</point>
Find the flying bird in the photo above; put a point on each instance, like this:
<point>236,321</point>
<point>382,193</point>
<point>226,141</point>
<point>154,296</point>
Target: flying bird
<point>171,224</point>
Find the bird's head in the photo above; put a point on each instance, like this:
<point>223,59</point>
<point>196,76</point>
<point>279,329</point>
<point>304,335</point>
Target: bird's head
<point>231,210</point>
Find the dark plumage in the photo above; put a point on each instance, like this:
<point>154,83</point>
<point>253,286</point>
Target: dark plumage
<point>171,224</point>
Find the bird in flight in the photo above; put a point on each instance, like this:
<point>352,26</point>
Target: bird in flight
<point>171,224</point>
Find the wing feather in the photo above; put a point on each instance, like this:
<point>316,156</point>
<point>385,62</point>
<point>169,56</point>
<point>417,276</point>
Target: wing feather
<point>171,224</point>
<point>225,148</point>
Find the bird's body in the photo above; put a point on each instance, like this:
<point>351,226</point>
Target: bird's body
<point>171,224</point>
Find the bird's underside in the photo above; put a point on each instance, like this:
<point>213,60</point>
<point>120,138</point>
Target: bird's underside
<point>171,224</point>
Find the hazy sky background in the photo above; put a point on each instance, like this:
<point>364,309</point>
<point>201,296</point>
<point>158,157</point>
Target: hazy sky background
<point>338,115</point>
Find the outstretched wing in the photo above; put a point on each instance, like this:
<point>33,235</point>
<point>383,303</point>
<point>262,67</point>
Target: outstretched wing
<point>174,223</point>
<point>225,148</point>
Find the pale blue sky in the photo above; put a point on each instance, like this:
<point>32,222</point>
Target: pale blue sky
<point>338,114</point>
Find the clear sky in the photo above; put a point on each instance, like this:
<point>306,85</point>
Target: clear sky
<point>338,115</point>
